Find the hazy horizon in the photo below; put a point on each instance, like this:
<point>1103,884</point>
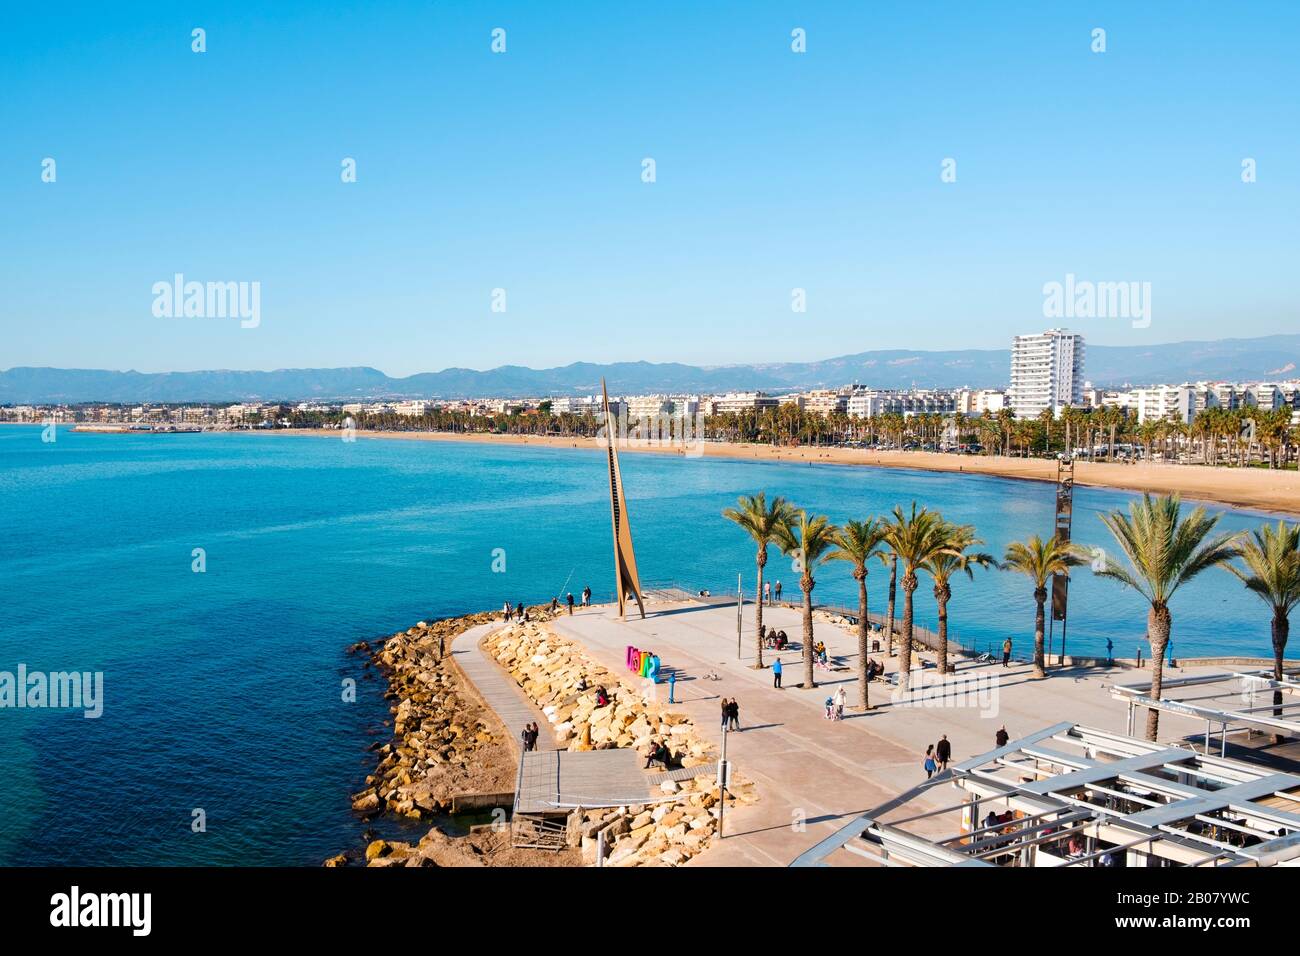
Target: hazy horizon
<point>584,361</point>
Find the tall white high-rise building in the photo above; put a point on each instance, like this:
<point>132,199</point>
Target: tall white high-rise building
<point>1046,372</point>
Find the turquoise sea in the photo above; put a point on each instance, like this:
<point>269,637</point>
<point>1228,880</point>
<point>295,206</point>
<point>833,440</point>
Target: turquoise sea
<point>222,689</point>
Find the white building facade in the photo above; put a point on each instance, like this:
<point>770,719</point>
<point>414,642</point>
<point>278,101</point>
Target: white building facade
<point>1046,372</point>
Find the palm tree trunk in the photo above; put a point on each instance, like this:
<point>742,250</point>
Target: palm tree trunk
<point>893,590</point>
<point>942,601</point>
<point>1040,599</point>
<point>864,631</point>
<point>1281,629</point>
<point>905,645</point>
<point>806,585</point>
<point>1159,624</point>
<point>758,610</point>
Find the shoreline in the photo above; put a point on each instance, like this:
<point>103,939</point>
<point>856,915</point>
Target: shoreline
<point>1272,493</point>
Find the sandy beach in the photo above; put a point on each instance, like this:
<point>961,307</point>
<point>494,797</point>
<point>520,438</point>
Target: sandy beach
<point>1254,488</point>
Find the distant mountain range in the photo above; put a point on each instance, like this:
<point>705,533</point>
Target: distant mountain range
<point>1273,356</point>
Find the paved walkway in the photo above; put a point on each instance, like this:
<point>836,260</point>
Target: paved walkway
<point>497,688</point>
<point>814,775</point>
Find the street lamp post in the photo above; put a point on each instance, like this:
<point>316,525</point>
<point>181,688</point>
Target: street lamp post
<point>722,780</point>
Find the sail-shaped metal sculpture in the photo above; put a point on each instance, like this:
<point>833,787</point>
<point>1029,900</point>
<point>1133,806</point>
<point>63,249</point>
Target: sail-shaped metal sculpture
<point>625,576</point>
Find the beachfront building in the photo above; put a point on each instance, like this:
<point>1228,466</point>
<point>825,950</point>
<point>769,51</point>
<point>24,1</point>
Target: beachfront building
<point>977,401</point>
<point>586,405</point>
<point>1183,402</point>
<point>735,403</point>
<point>641,407</point>
<point>1164,403</point>
<point>823,401</point>
<point>410,409</point>
<point>872,402</point>
<point>1046,372</point>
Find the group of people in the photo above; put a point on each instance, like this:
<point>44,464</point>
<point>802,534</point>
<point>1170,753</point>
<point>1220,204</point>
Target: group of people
<point>773,639</point>
<point>771,594</point>
<point>529,736</point>
<point>937,756</point>
<point>520,613</point>
<point>730,714</point>
<point>835,705</point>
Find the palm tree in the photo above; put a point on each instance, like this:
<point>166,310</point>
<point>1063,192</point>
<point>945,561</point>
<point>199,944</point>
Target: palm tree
<point>943,565</point>
<point>760,521</point>
<point>1040,560</point>
<point>1164,551</point>
<point>890,560</point>
<point>1272,559</point>
<point>915,538</point>
<point>808,540</point>
<point>859,542</point>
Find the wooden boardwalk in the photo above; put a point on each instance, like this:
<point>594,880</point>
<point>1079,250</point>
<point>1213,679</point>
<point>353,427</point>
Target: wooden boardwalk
<point>563,779</point>
<point>498,689</point>
<point>552,780</point>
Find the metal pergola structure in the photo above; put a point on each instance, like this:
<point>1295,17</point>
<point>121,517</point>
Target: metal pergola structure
<point>1070,795</point>
<point>1219,694</point>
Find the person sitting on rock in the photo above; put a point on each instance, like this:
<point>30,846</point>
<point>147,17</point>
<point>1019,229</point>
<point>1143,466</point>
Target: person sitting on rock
<point>658,753</point>
<point>602,697</point>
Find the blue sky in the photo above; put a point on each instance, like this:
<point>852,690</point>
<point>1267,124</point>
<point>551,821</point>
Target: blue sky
<point>522,171</point>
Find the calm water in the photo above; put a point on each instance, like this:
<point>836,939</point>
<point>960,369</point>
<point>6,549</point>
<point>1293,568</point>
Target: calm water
<point>223,689</point>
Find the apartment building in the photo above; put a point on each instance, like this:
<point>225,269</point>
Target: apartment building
<point>1046,372</point>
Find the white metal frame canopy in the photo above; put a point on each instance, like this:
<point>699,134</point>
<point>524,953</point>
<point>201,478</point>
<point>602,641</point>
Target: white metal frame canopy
<point>1254,690</point>
<point>1110,794</point>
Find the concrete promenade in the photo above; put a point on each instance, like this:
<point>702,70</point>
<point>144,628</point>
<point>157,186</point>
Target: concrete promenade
<point>497,688</point>
<point>823,772</point>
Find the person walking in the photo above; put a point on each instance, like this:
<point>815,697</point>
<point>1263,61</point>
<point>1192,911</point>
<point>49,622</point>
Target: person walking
<point>767,593</point>
<point>733,715</point>
<point>568,599</point>
<point>1110,652</point>
<point>1001,737</point>
<point>840,699</point>
<point>442,645</point>
<point>726,712</point>
<point>672,687</point>
<point>1006,652</point>
<point>527,737</point>
<point>776,673</point>
<point>929,765</point>
<point>942,752</point>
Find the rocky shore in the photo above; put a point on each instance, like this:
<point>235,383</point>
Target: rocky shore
<point>561,678</point>
<point>445,742</point>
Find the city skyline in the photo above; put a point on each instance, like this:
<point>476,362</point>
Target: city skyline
<point>782,178</point>
<point>1270,358</point>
